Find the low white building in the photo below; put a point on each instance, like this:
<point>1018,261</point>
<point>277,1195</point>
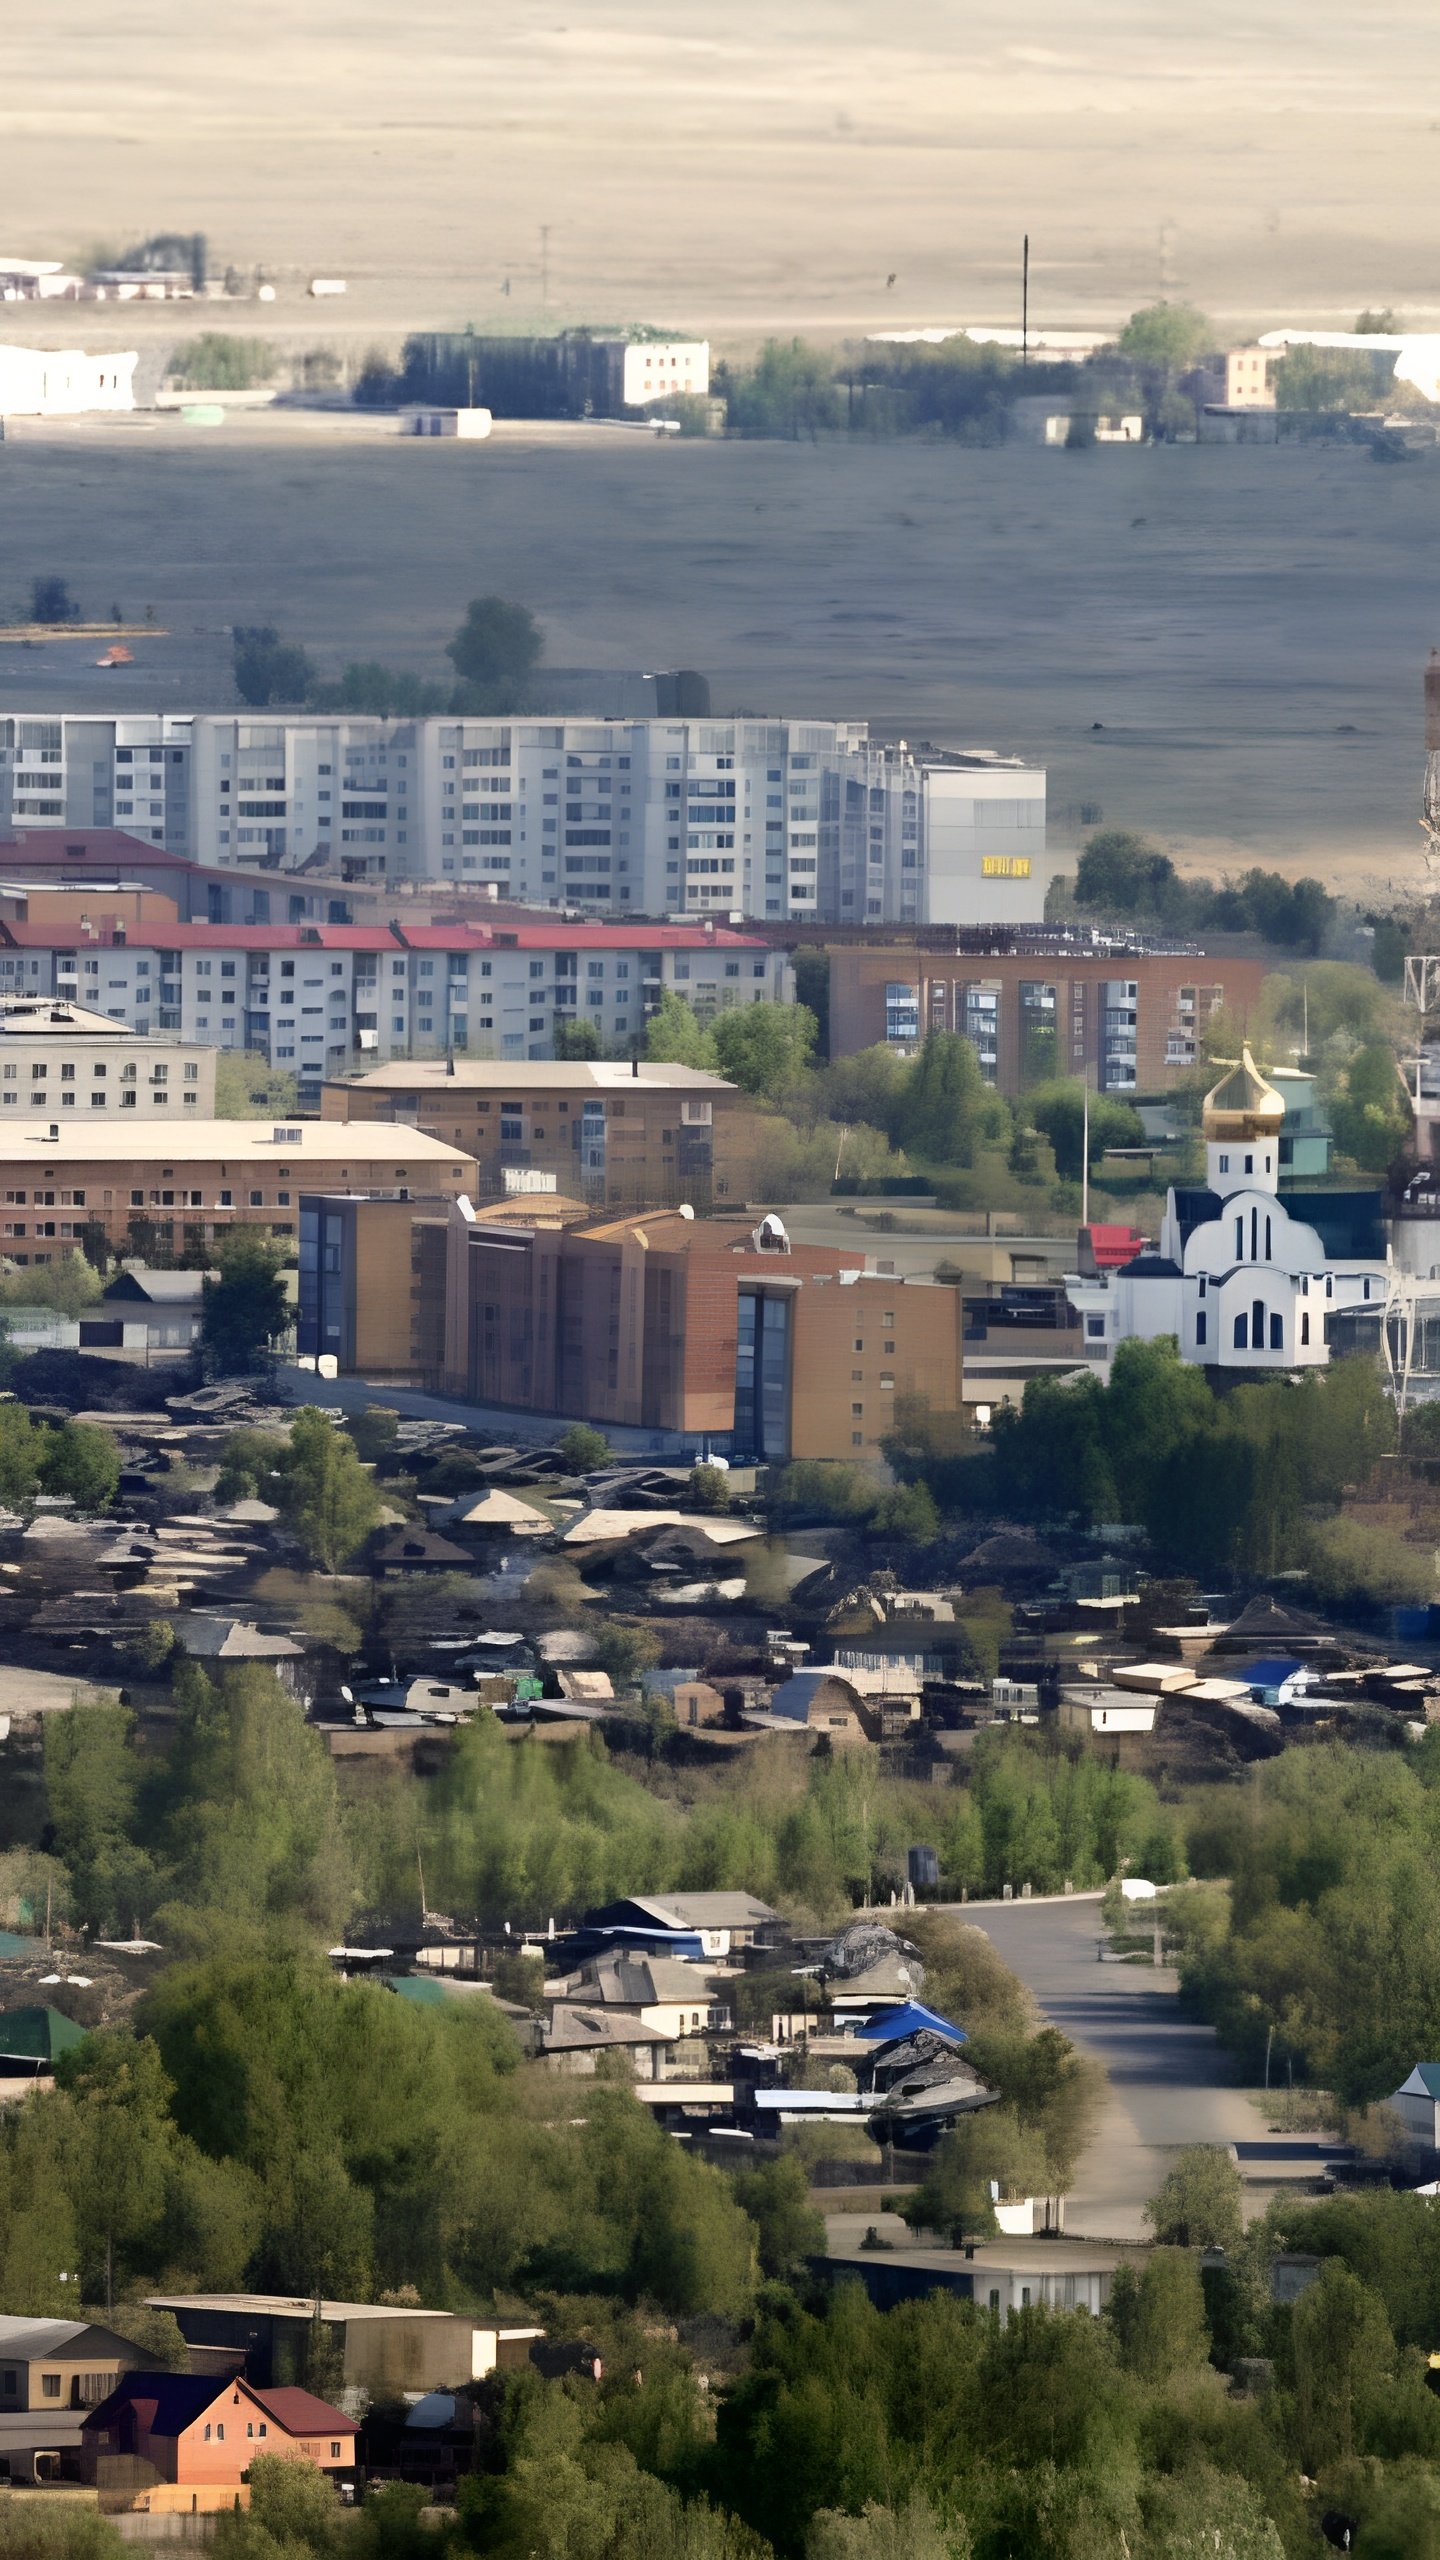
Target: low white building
<point>64,382</point>
<point>1244,1278</point>
<point>58,1056</point>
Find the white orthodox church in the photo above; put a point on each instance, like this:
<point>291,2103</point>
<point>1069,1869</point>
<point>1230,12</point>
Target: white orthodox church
<point>1243,1277</point>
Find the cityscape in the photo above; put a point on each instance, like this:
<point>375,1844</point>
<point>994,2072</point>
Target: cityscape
<point>719,1285</point>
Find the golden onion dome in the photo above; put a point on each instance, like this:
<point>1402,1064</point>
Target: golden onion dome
<point>1242,1105</point>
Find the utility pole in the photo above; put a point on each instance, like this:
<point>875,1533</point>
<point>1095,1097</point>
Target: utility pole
<point>1025,301</point>
<point>1085,1150</point>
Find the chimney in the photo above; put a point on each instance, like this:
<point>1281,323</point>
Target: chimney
<point>635,1066</point>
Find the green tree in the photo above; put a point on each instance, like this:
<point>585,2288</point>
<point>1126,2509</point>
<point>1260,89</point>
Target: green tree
<point>22,1451</point>
<point>790,390</point>
<point>1343,2351</point>
<point>584,1449</point>
<point>250,1465</point>
<point>674,1037</point>
<point>1198,2203</point>
<point>1059,1112</point>
<point>218,361</point>
<point>30,2531</point>
<point>81,1460</point>
<point>294,2502</point>
<point>945,1105</point>
<point>495,652</point>
<point>709,1489</point>
<point>577,1040</point>
<point>244,1308</point>
<point>1203,2512</point>
<point>122,2112</point>
<point>51,601</point>
<point>327,1498</point>
<point>375,1432</point>
<point>247,1087</point>
<point>1326,378</point>
<point>269,669</point>
<point>764,1048</point>
<point>1172,335</point>
<point>625,1652</point>
<point>790,2229</point>
<point>1168,2333</point>
<point>911,2531</point>
<point>988,2150</point>
<point>1123,874</point>
<point>1371,1115</point>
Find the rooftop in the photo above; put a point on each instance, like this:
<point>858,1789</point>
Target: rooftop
<point>542,1075</point>
<point>288,2306</point>
<point>363,1143</point>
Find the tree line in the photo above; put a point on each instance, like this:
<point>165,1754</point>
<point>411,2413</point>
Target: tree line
<point>1324,1943</point>
<point>1219,1482</point>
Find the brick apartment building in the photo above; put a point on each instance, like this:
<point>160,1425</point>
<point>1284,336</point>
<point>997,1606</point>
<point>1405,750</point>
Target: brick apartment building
<point>1133,1021</point>
<point>608,1133</point>
<point>156,1189</point>
<point>702,1330</point>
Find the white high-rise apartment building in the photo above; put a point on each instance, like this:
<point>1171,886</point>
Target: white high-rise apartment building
<point>768,818</point>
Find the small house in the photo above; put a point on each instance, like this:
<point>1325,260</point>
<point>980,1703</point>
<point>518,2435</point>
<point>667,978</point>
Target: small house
<point>722,1921</point>
<point>420,1551</point>
<point>59,2364</point>
<point>386,2348</point>
<point>823,1702</point>
<point>220,1642</point>
<point>180,2443</point>
<point>675,1998</point>
<point>146,1313</point>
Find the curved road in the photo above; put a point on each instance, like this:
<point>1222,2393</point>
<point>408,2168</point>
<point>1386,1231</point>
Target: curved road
<point>1169,2080</point>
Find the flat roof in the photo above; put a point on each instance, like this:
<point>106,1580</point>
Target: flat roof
<point>289,2306</point>
<point>544,1075</point>
<point>145,1139</point>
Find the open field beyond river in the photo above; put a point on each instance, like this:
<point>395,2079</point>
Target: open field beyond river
<point>1247,627</point>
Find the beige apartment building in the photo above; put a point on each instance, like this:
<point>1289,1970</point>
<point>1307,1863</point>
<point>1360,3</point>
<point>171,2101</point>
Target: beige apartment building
<point>155,1190</point>
<point>613,1134</point>
<point>59,1056</point>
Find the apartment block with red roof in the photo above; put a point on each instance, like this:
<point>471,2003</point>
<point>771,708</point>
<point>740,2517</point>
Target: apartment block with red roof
<point>320,999</point>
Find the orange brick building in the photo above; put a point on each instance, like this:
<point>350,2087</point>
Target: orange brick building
<point>156,1188</point>
<point>177,2443</point>
<point>1131,1021</point>
<point>616,1135</point>
<point>712,1330</point>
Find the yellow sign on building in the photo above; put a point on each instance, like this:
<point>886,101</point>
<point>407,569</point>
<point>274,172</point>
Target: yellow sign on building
<point>1004,866</point>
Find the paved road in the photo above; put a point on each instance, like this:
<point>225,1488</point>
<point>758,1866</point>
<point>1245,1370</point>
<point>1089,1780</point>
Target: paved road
<point>1168,2077</point>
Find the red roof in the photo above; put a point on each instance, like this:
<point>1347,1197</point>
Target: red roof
<point>300,2413</point>
<point>77,848</point>
<point>573,937</point>
<point>1113,1247</point>
<point>373,937</point>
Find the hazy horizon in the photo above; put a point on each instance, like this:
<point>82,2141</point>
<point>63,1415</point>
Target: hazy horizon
<point>749,169</point>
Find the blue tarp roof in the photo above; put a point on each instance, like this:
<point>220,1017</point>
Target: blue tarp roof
<point>1271,1673</point>
<point>889,2025</point>
<point>686,1943</point>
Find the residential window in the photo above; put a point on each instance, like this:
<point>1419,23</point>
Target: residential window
<point>1200,1323</point>
<point>49,2386</point>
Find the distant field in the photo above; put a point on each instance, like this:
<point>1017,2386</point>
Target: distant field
<point>1249,627</point>
<point>768,164</point>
